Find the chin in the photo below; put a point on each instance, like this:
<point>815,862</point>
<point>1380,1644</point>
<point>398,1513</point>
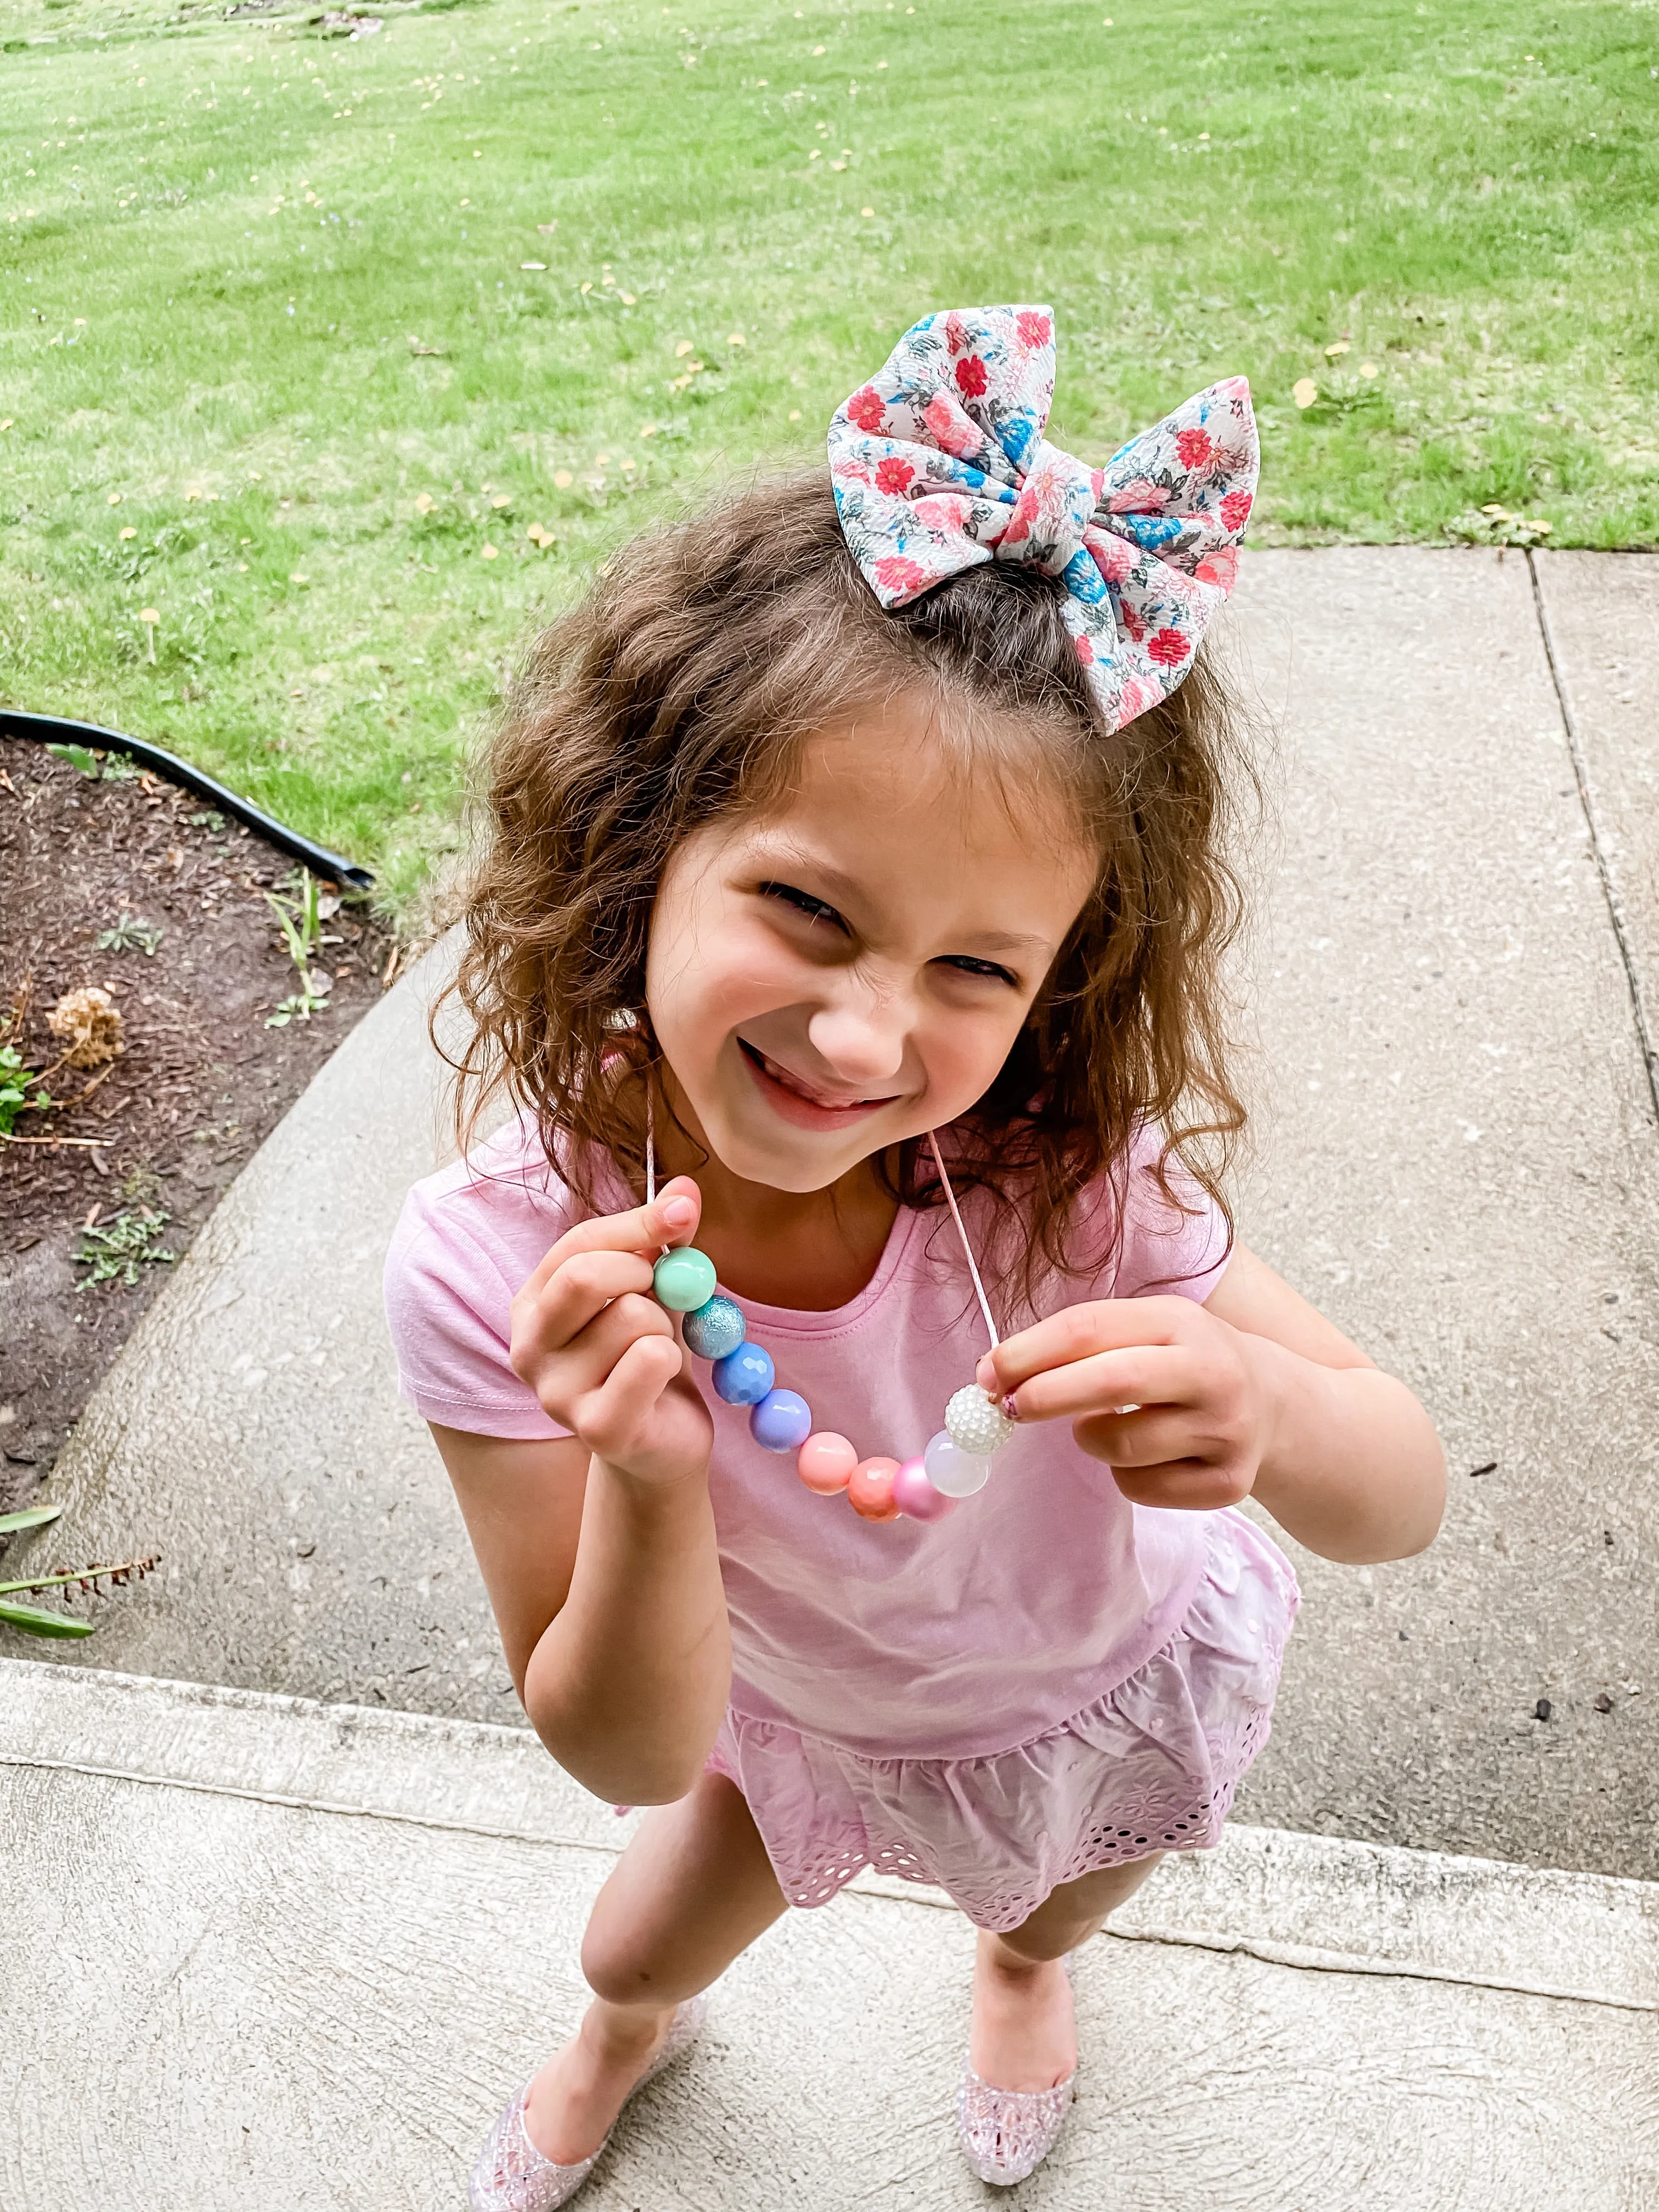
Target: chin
<point>800,1165</point>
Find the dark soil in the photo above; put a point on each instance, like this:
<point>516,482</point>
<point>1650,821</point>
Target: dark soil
<point>201,1078</point>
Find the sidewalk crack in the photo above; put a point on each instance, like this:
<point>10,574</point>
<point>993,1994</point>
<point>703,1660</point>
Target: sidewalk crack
<point>1609,887</point>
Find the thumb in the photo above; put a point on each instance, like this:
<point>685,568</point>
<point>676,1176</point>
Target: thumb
<point>677,1209</point>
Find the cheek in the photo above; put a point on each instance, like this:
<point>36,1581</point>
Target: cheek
<point>966,1046</point>
<point>712,977</point>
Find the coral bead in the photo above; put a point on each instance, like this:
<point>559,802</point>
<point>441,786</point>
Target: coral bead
<point>955,1473</point>
<point>781,1421</point>
<point>870,1493</point>
<point>916,1497</point>
<point>826,1462</point>
<point>683,1280</point>
<point>714,1328</point>
<point>744,1376</point>
<point>976,1424</point>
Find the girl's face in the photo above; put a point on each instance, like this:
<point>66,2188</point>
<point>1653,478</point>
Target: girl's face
<point>853,968</point>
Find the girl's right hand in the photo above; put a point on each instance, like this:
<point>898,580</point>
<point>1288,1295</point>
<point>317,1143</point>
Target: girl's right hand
<point>602,1355</point>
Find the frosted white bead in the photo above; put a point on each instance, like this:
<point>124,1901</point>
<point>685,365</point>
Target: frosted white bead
<point>975,1423</point>
<point>953,1472</point>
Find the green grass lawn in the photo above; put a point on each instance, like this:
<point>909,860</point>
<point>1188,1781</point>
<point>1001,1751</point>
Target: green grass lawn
<point>299,327</point>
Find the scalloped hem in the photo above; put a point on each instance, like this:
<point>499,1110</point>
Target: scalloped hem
<point>1151,1767</point>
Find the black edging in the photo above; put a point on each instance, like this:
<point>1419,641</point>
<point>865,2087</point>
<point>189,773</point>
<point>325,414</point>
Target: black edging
<point>48,730</point>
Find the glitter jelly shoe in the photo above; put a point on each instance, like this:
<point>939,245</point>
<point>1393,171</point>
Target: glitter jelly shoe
<point>513,2176</point>
<point>1006,2134</point>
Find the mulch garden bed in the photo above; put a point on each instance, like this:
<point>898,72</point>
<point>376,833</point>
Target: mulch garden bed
<point>137,1148</point>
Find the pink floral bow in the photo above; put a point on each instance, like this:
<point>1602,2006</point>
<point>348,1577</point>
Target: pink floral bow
<point>940,462</point>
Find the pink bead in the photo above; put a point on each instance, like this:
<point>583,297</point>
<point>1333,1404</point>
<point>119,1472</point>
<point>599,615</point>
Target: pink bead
<point>870,1491</point>
<point>914,1494</point>
<point>825,1463</point>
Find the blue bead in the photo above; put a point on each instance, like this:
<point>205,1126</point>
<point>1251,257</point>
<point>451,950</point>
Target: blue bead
<point>744,1377</point>
<point>715,1328</point>
<point>781,1422</point>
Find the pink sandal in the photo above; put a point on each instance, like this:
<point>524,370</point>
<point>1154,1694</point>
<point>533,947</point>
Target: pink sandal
<point>513,2176</point>
<point>1005,2134</point>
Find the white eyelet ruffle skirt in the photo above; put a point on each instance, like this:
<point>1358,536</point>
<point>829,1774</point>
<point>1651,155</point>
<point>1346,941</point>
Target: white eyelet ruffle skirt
<point>1151,1766</point>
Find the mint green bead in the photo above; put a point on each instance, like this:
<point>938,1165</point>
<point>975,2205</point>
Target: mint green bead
<point>684,1280</point>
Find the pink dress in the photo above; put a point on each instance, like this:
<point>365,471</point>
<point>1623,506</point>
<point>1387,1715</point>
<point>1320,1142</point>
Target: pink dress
<point>1046,1682</point>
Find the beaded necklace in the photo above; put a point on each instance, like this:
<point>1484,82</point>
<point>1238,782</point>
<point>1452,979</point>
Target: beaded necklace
<point>955,1463</point>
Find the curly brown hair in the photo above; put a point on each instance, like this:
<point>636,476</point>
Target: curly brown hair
<point>682,688</point>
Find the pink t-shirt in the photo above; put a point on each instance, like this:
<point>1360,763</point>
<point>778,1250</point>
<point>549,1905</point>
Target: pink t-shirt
<point>950,1639</point>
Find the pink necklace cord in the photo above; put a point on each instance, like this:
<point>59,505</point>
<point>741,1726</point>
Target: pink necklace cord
<point>945,1184</point>
<point>967,1248</point>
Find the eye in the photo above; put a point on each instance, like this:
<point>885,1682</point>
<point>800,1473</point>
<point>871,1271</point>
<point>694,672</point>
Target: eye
<point>968,966</point>
<point>815,909</point>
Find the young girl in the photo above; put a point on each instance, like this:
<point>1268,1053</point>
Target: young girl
<point>851,914</point>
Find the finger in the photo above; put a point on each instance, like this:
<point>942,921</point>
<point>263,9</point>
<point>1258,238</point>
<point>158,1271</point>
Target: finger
<point>565,1370</point>
<point>1103,1325</point>
<point>585,1283</point>
<point>1183,1486</point>
<point>1145,1375</point>
<point>611,1418</point>
<point>671,1219</point>
<point>1143,1439</point>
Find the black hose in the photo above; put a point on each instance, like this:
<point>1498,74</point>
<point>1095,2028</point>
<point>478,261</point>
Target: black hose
<point>48,730</point>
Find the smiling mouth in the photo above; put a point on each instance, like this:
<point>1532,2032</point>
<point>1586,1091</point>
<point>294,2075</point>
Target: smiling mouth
<point>822,1102</point>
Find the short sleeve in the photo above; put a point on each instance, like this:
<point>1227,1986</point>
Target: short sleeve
<point>1177,1247</point>
<point>457,1258</point>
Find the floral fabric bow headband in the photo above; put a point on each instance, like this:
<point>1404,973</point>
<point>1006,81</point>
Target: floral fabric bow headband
<point>940,462</point>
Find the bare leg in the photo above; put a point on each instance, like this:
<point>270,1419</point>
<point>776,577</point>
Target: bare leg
<point>693,1889</point>
<point>1024,2034</point>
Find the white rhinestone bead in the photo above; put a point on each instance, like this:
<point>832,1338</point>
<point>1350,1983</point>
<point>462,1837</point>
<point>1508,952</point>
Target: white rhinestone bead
<point>975,1424</point>
<point>954,1473</point>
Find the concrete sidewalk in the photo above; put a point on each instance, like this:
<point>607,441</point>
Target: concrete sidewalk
<point>276,1954</point>
<point>1457,1160</point>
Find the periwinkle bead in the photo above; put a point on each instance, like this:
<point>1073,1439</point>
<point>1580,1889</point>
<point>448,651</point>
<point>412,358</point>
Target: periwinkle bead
<point>781,1422</point>
<point>683,1280</point>
<point>957,1473</point>
<point>744,1376</point>
<point>714,1328</point>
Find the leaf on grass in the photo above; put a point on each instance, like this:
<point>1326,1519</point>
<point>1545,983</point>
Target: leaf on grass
<point>487,553</point>
<point>27,1516</point>
<point>35,1620</point>
<point>1305,392</point>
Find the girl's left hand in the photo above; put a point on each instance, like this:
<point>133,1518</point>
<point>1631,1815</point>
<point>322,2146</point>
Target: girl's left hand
<point>1171,1397</point>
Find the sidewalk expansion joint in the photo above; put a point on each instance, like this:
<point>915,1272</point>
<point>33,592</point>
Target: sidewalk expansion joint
<point>1586,800</point>
<point>1294,1957</point>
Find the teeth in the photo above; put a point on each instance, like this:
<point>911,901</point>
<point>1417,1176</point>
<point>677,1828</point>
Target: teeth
<point>812,1098</point>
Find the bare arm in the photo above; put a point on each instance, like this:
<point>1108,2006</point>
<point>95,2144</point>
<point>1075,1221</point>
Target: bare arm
<point>1350,1465</point>
<point>599,1550</point>
<point>1254,1393</point>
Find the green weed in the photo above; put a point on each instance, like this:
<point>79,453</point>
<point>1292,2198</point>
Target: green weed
<point>130,934</point>
<point>35,1620</point>
<point>115,1254</point>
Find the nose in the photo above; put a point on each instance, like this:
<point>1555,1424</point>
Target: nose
<point>862,1034</point>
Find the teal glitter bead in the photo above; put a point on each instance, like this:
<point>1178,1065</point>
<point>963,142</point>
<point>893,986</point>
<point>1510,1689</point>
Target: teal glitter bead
<point>685,1279</point>
<point>715,1328</point>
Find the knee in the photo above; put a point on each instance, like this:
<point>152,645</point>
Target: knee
<point>1035,1947</point>
<point>618,1967</point>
